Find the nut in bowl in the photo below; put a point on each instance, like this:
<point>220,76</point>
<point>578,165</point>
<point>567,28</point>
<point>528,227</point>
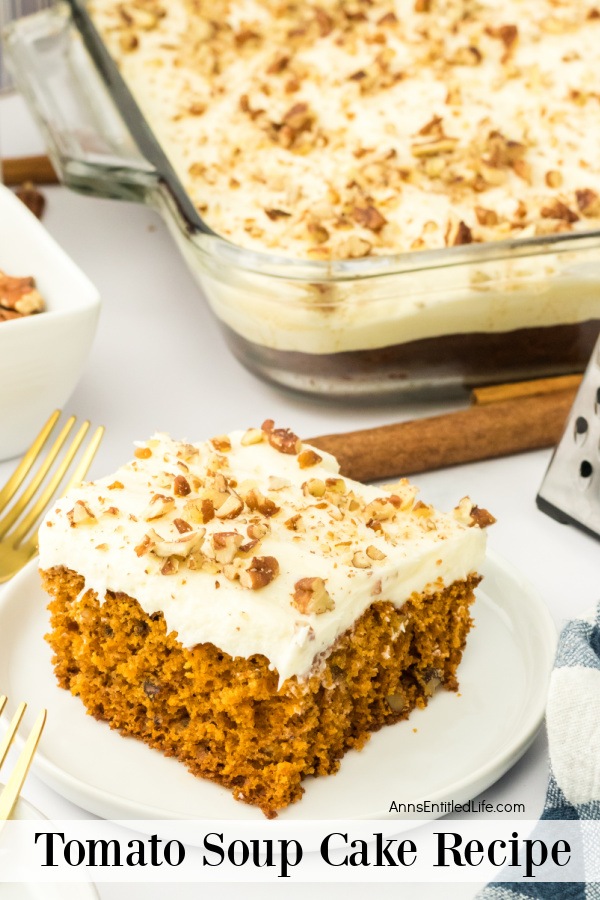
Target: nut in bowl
<point>42,354</point>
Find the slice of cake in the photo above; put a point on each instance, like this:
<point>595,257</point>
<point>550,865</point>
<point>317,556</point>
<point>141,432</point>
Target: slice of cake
<point>241,606</point>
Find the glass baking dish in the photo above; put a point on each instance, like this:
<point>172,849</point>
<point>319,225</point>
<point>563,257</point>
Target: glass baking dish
<point>425,322</point>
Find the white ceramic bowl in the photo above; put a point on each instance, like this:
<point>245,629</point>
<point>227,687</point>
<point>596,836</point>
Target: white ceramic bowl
<point>41,356</point>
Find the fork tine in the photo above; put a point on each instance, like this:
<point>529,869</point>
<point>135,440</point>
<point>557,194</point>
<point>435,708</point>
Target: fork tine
<point>86,460</point>
<point>8,737</point>
<point>46,496</point>
<point>35,482</point>
<point>30,546</point>
<point>11,792</point>
<point>28,460</point>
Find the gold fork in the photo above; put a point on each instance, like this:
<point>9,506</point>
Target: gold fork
<point>18,537</point>
<point>12,789</point>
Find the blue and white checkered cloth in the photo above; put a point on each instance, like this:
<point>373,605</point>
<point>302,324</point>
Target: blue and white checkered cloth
<point>573,725</point>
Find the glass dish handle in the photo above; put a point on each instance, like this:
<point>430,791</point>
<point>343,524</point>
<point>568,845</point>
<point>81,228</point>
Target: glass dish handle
<point>87,139</point>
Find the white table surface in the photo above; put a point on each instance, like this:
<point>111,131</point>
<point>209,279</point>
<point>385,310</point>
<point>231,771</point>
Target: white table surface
<point>159,362</point>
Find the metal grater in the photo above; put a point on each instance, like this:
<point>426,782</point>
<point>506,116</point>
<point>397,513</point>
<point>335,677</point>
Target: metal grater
<point>570,491</point>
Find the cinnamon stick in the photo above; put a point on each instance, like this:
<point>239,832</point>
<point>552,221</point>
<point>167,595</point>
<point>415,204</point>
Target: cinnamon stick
<point>495,392</point>
<point>477,433</point>
<point>37,169</point>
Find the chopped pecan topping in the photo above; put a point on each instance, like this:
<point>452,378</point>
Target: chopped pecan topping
<point>422,510</point>
<point>252,436</point>
<point>482,517</point>
<point>225,545</point>
<point>128,41</point>
<point>258,530</point>
<point>142,452</point>
<point>217,491</point>
<point>181,486</point>
<point>231,508</point>
<point>143,547</point>
<point>553,178</point>
<point>588,202</point>
<point>433,147</point>
<point>434,127</point>
<point>116,486</point>
<point>508,34</point>
<point>324,21</point>
<point>468,514</point>
<point>221,443</point>
<point>462,512</point>
<point>19,295</point>
<point>523,170</point>
<point>314,487</point>
<point>294,523</point>
<point>187,452</point>
<point>170,566</point>
<point>181,546</point>
<point>248,546</point>
<point>361,560</point>
<point>466,56</point>
<point>336,485</point>
<point>486,217</point>
<point>369,217</point>
<point>317,232</point>
<point>199,511</point>
<point>502,152</point>
<point>381,509</point>
<point>159,506</point>
<point>275,214</point>
<point>311,596</point>
<point>281,439</point>
<point>182,526</point>
<point>260,573</point>
<point>81,514</point>
<point>375,553</point>
<point>559,210</point>
<point>309,458</point>
<point>298,116</point>
<point>207,509</point>
<point>458,233</point>
<point>255,500</point>
<point>278,65</point>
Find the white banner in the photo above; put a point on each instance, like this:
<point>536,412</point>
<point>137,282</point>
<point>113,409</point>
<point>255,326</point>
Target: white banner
<point>270,851</point>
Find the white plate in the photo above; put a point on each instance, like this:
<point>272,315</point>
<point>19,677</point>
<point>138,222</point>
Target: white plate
<point>14,891</point>
<point>452,750</point>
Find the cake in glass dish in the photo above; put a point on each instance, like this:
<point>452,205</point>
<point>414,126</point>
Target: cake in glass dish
<point>346,129</point>
<point>376,196</point>
<point>240,605</point>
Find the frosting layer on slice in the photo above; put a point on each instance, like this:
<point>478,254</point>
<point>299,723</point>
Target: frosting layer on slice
<point>253,542</point>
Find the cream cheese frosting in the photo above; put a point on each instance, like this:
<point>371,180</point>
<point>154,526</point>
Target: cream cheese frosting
<point>255,543</point>
<point>347,129</point>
